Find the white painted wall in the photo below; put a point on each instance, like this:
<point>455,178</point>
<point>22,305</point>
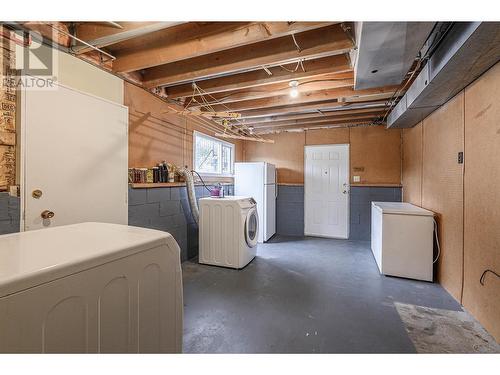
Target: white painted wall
<point>83,76</point>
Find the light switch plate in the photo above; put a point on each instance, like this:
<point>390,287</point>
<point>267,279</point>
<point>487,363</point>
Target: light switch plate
<point>356,178</point>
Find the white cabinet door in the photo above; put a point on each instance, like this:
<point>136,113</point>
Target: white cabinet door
<point>327,191</point>
<point>75,152</point>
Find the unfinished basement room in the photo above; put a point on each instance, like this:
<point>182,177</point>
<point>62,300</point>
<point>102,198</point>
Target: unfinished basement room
<point>204,181</point>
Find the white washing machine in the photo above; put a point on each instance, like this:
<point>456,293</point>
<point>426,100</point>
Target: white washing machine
<point>228,231</point>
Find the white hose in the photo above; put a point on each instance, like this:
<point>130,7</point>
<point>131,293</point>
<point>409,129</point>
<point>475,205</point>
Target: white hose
<point>437,241</point>
<point>193,204</point>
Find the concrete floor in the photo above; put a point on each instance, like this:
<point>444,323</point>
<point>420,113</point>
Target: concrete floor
<point>302,295</point>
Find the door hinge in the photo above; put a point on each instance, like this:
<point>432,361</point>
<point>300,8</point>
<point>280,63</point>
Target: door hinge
<point>461,157</point>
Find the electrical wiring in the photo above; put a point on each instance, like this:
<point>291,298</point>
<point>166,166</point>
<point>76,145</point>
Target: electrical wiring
<point>296,44</point>
<point>420,60</point>
<point>300,64</point>
<point>483,276</point>
<point>219,100</point>
<point>205,104</point>
<point>242,124</point>
<point>437,241</point>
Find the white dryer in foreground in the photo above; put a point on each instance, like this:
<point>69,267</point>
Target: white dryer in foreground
<point>228,231</point>
<point>90,288</point>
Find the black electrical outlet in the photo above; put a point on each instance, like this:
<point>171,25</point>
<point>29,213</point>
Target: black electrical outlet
<point>460,157</point>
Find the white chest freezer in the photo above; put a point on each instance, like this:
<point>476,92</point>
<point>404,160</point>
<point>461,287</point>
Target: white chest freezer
<point>90,288</point>
<point>402,240</point>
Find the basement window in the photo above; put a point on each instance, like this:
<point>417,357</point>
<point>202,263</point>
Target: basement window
<point>212,156</point>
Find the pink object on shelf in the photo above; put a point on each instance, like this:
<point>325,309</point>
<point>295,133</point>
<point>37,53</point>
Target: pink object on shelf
<point>215,192</point>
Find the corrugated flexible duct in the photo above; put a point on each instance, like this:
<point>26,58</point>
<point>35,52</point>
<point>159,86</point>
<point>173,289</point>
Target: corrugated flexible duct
<point>193,204</point>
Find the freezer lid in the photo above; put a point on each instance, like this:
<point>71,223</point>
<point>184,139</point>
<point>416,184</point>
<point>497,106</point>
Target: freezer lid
<point>401,208</point>
<point>32,258</point>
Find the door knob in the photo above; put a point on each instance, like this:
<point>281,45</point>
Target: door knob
<point>47,214</point>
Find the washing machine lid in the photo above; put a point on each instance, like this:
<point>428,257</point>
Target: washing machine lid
<point>252,227</point>
<point>33,258</point>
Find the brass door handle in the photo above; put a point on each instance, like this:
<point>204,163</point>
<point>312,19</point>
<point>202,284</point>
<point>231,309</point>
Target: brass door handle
<point>47,214</point>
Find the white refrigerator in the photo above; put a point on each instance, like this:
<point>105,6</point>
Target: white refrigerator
<point>258,180</point>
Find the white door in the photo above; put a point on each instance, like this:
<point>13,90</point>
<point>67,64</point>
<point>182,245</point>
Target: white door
<point>327,191</point>
<point>75,154</point>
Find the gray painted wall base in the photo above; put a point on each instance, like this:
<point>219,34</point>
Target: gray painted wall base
<point>361,198</point>
<point>167,209</point>
<point>10,214</point>
<point>290,209</point>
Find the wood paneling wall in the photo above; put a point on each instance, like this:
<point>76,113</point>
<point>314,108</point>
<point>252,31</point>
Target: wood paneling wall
<point>155,135</point>
<point>412,165</point>
<point>375,150</point>
<point>287,153</point>
<point>442,187</point>
<point>482,200</point>
<point>466,198</point>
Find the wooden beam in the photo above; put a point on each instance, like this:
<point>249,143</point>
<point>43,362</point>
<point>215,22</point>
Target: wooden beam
<point>309,97</point>
<point>315,68</point>
<point>245,138</point>
<point>325,82</point>
<point>106,36</point>
<point>343,123</point>
<point>311,107</point>
<point>312,116</point>
<point>326,121</point>
<point>326,41</point>
<point>176,45</point>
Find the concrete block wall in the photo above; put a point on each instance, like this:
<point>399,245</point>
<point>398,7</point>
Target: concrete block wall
<point>361,199</point>
<point>168,209</point>
<point>10,213</point>
<point>290,209</point>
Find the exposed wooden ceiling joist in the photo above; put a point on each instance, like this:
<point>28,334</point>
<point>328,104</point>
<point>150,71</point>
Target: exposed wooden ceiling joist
<point>325,121</point>
<point>100,36</point>
<point>170,46</point>
<point>313,68</point>
<point>339,94</point>
<point>308,108</point>
<point>326,41</point>
<point>342,123</point>
<point>312,116</point>
<point>325,82</point>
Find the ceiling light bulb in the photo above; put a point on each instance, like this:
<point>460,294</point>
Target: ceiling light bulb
<point>294,92</point>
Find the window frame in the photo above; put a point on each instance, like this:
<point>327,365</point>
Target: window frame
<point>221,143</point>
